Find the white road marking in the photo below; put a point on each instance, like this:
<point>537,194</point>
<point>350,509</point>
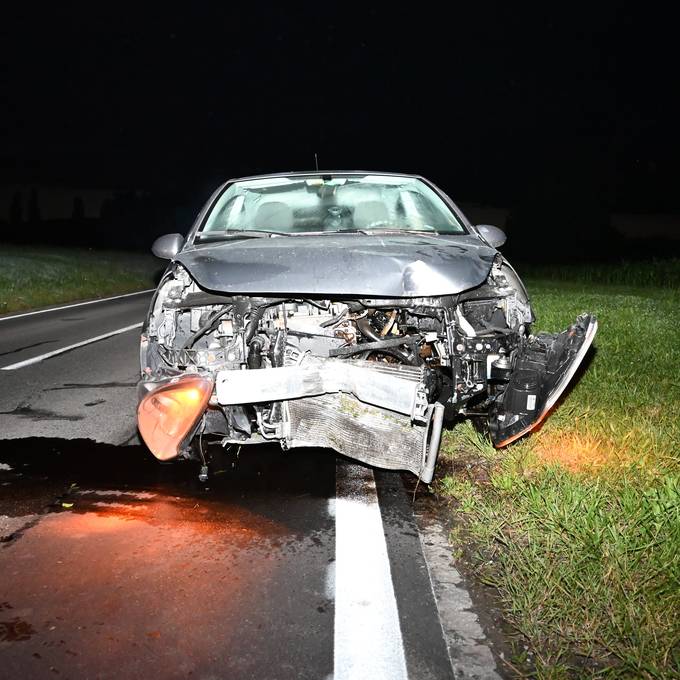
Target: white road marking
<point>42,357</point>
<point>466,643</point>
<point>75,304</point>
<point>368,642</point>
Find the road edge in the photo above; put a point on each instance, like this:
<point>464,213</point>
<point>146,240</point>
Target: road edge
<point>68,305</point>
<point>468,647</point>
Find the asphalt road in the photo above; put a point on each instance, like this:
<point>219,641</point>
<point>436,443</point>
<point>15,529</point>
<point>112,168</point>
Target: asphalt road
<point>283,565</point>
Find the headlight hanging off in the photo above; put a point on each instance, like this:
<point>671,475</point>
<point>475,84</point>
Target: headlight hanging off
<point>168,414</point>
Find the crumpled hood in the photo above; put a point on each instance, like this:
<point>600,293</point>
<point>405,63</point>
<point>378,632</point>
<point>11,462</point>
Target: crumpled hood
<point>408,265</point>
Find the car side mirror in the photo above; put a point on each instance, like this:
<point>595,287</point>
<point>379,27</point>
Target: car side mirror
<point>166,247</point>
<point>494,236</point>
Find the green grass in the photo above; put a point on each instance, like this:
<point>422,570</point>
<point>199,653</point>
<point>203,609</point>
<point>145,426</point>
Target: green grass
<point>660,273</point>
<point>33,277</point>
<point>578,525</point>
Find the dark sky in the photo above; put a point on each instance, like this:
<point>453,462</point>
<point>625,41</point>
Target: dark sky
<point>485,100</point>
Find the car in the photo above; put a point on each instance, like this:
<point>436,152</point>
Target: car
<point>355,311</point>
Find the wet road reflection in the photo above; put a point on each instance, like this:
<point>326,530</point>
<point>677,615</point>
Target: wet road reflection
<point>137,570</point>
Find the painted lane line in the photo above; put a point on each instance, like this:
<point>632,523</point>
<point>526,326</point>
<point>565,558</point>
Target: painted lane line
<point>467,646</point>
<point>89,341</point>
<point>368,641</point>
<point>75,304</point>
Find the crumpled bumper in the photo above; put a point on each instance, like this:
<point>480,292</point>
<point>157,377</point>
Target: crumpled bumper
<point>368,411</point>
<point>395,387</point>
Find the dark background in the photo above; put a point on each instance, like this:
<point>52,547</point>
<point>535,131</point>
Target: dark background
<point>117,124</point>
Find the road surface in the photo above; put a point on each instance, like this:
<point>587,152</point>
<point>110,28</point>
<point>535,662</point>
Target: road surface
<point>283,565</point>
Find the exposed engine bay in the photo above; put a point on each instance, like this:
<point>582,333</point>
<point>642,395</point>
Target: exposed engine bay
<point>347,310</point>
<point>372,378</point>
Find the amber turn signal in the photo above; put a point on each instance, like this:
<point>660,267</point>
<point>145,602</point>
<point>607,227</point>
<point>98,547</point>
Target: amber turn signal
<point>167,415</point>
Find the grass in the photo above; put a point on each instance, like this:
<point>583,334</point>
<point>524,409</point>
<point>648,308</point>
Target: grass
<point>578,525</point>
<point>661,273</point>
<point>33,277</point>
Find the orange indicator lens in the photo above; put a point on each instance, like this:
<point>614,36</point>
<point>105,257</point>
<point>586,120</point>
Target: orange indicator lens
<point>167,415</point>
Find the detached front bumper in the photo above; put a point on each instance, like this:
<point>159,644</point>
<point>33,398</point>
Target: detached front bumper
<point>375,413</point>
<point>397,388</point>
<point>371,412</point>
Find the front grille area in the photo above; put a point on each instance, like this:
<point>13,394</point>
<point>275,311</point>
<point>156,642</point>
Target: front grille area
<point>358,430</point>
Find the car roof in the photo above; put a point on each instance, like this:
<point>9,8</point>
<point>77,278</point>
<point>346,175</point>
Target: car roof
<point>321,173</point>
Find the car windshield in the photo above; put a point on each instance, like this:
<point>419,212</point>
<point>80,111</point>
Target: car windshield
<point>330,203</point>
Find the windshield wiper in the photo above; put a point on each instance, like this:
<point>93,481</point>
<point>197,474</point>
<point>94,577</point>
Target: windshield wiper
<point>363,232</point>
<point>227,234</point>
<point>323,232</point>
<point>371,232</point>
<point>404,231</point>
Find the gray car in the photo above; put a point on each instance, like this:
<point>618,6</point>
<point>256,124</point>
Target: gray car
<point>350,310</point>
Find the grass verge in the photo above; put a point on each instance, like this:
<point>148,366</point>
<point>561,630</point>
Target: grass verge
<point>33,277</point>
<point>578,525</point>
<point>661,273</point>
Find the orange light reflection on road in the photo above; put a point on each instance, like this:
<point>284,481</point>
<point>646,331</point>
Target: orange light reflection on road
<point>99,524</point>
<point>149,590</point>
<point>210,517</point>
<point>168,414</point>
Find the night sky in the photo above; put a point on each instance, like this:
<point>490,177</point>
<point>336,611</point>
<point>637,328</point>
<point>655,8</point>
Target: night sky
<point>494,102</point>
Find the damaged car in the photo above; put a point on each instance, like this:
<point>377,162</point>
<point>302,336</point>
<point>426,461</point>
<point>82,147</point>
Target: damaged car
<point>348,310</point>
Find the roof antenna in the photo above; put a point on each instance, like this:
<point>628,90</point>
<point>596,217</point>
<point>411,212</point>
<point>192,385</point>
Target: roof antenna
<point>316,161</point>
